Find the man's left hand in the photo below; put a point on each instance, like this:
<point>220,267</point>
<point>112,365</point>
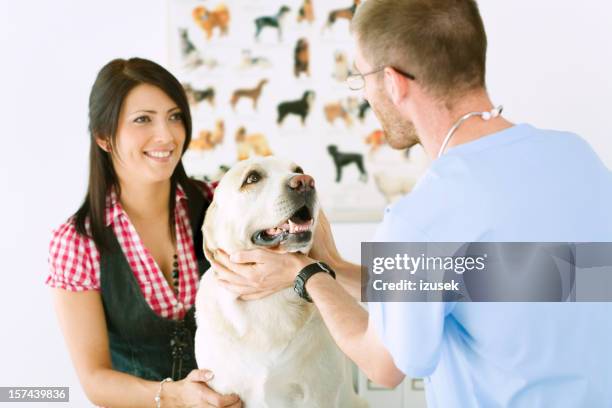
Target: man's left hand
<point>257,273</point>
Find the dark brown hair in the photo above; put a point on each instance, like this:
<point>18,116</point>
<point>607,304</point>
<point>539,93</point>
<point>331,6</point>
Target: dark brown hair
<point>114,81</point>
<point>442,42</point>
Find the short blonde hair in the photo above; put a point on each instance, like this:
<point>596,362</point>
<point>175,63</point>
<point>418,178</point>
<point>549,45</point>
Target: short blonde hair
<point>441,42</point>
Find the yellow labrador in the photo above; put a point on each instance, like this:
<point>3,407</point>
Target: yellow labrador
<point>274,352</point>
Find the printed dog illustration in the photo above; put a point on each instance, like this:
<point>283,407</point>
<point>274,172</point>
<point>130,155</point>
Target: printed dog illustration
<point>342,160</point>
<point>195,96</point>
<point>208,139</point>
<point>274,21</point>
<point>274,352</point>
<point>300,107</point>
<point>341,66</point>
<point>207,20</point>
<point>192,58</point>
<point>249,61</point>
<point>344,13</point>
<point>248,145</point>
<point>363,109</point>
<point>306,12</point>
<point>253,93</point>
<point>375,140</point>
<point>340,109</point>
<point>392,185</point>
<point>301,58</point>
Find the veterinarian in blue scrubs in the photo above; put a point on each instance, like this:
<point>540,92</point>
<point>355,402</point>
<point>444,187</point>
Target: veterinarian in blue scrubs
<point>421,65</point>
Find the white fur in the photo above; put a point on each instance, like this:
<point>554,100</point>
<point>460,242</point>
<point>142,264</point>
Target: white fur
<point>274,352</point>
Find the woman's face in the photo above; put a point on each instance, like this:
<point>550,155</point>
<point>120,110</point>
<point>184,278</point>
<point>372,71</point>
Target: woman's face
<point>150,136</point>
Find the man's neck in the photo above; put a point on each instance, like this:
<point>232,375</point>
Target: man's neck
<point>145,201</point>
<point>438,120</point>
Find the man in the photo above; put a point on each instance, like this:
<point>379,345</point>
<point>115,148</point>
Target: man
<point>421,65</point>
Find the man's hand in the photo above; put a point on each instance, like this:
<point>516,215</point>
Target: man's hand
<point>257,273</point>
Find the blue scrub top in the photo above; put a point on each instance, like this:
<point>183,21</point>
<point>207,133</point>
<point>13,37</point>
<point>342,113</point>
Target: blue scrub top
<point>520,184</point>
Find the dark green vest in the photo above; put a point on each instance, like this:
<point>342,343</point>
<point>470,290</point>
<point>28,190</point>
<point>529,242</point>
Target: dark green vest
<point>141,342</point>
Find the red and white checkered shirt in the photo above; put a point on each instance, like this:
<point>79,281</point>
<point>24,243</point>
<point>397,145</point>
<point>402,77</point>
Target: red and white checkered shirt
<point>74,260</point>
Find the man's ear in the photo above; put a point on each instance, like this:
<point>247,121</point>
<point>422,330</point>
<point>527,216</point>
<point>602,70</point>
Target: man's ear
<point>103,144</point>
<point>396,85</point>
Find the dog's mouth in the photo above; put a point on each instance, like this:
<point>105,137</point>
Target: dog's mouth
<point>298,226</point>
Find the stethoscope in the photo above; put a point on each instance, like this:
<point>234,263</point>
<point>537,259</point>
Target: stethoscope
<point>493,113</point>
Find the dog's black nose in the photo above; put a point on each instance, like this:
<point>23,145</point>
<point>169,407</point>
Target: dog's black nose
<point>301,183</point>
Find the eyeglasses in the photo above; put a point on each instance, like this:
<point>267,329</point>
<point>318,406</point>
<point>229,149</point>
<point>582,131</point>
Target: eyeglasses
<point>356,82</point>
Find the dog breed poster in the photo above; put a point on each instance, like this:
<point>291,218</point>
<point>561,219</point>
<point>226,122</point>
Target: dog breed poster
<point>269,78</point>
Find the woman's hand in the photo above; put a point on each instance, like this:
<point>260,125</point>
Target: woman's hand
<point>192,391</point>
<point>257,273</point>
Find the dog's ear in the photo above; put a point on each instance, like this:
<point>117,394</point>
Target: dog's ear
<point>210,245</point>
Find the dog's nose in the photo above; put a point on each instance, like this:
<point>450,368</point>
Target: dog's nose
<point>301,183</point>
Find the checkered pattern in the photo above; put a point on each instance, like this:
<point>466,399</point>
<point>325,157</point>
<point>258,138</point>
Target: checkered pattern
<point>74,260</point>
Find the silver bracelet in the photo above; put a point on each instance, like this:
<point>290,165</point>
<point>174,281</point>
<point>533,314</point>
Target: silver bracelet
<point>158,396</point>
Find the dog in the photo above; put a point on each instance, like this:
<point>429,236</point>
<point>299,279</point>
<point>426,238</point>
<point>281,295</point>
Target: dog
<point>247,144</point>
<point>253,93</point>
<point>340,109</point>
<point>306,12</point>
<point>344,159</point>
<point>345,13</point>
<point>195,96</point>
<point>274,21</point>
<point>300,107</point>
<point>363,109</point>
<point>274,352</point>
<point>375,140</point>
<point>207,20</point>
<point>341,67</point>
<point>189,53</point>
<point>208,139</point>
<point>248,61</point>
<point>301,58</point>
<point>392,185</point>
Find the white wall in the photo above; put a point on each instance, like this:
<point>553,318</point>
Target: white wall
<point>549,64</point>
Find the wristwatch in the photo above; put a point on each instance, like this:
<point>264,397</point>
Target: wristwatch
<point>305,274</point>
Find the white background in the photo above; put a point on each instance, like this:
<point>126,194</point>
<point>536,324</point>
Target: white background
<point>549,63</point>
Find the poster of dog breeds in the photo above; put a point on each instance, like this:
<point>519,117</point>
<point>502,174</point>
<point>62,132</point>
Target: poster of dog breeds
<point>269,77</point>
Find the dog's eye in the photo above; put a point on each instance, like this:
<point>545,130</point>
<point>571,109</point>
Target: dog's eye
<point>298,169</point>
<point>252,178</point>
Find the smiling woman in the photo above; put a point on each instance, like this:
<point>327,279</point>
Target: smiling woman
<point>125,268</point>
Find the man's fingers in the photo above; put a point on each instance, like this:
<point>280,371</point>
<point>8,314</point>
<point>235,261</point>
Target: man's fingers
<point>251,256</point>
<point>240,290</point>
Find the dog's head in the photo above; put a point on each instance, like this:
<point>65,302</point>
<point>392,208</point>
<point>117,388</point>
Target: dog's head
<point>283,10</point>
<point>309,97</point>
<point>332,149</point>
<point>262,202</point>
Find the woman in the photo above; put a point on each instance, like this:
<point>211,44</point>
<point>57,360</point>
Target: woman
<point>125,267</point>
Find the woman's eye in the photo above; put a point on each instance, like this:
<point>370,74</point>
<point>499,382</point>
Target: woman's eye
<point>176,117</point>
<point>142,119</point>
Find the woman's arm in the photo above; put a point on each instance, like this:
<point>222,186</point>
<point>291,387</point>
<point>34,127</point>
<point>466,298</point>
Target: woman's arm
<point>81,319</point>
